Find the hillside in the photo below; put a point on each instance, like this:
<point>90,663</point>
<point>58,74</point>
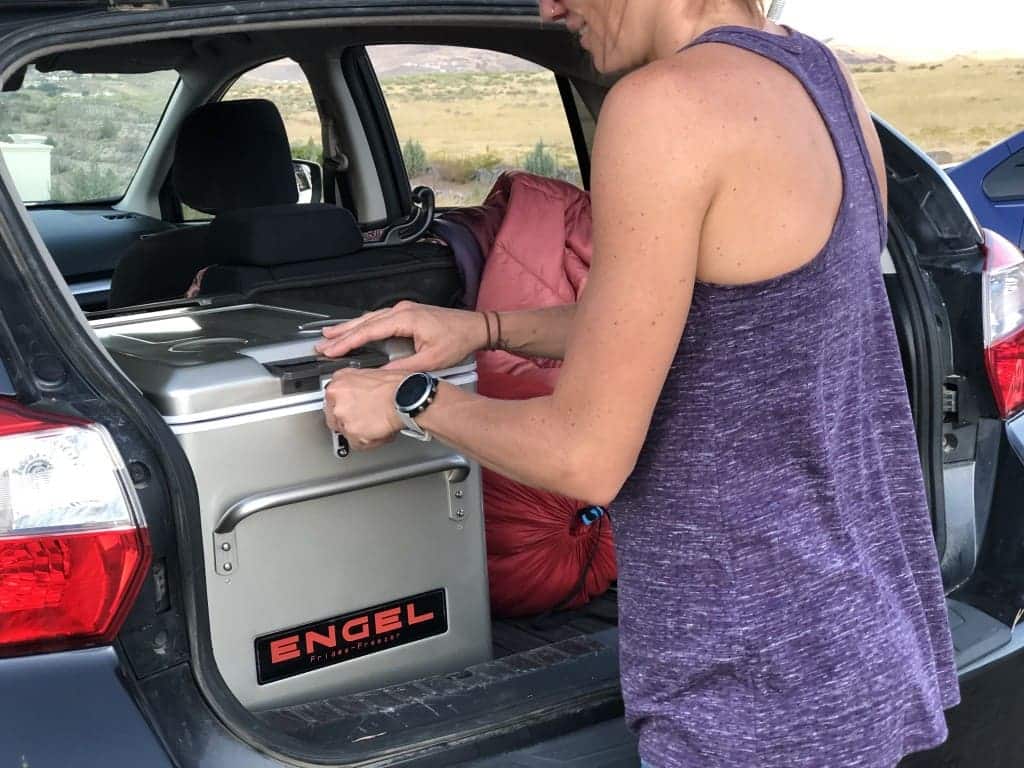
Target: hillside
<point>401,60</point>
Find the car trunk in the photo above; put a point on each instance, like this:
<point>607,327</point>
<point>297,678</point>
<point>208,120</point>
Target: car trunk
<point>236,581</point>
<point>301,566</point>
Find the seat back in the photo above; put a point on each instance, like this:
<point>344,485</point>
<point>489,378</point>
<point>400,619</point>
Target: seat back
<point>229,155</point>
<point>315,253</point>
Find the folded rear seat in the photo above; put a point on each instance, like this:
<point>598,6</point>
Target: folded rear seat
<point>315,253</point>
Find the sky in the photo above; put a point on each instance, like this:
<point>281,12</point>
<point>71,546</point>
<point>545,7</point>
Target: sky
<point>915,29</point>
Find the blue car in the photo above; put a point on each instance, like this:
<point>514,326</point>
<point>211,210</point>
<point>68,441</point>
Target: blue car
<point>126,637</point>
<point>993,184</point>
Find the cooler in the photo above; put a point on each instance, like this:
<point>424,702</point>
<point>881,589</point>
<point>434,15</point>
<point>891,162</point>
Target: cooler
<point>326,571</point>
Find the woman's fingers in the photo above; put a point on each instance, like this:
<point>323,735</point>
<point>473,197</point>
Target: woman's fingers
<point>384,327</point>
<point>340,329</point>
<point>420,361</point>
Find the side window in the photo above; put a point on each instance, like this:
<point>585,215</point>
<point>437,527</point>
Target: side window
<point>283,83</point>
<point>464,115</point>
<point>69,137</point>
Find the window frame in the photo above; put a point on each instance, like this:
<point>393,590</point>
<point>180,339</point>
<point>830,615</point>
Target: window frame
<point>568,96</point>
<point>379,130</point>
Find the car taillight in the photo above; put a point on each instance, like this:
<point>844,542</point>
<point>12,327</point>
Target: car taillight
<point>1003,301</point>
<point>73,544</point>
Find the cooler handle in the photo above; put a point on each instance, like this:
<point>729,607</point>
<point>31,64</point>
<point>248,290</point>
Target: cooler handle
<point>456,468</point>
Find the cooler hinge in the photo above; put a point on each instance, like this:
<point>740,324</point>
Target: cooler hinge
<point>137,5</point>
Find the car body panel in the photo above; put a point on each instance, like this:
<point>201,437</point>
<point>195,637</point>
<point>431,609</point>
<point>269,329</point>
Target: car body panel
<point>71,709</point>
<point>1004,215</point>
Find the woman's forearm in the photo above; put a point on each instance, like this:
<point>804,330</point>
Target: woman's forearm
<point>535,332</point>
<point>529,441</point>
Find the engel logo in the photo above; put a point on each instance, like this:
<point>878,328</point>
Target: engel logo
<point>352,631</point>
<point>351,636</point>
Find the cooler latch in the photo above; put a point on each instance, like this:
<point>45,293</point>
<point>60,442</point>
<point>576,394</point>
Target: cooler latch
<point>305,374</point>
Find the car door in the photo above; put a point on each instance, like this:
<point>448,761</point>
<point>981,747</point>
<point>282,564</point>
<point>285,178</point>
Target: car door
<point>993,185</point>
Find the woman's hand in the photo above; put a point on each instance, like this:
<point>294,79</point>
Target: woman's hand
<point>442,338</point>
<point>360,404</point>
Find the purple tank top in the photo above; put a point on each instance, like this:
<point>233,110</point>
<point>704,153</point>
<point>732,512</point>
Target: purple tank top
<point>780,599</point>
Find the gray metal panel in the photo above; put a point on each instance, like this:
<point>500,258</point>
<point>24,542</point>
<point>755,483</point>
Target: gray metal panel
<point>962,544</point>
<point>324,557</point>
<point>975,634</point>
<point>71,709</point>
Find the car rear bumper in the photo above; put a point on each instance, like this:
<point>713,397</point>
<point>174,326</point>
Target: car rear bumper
<point>71,709</point>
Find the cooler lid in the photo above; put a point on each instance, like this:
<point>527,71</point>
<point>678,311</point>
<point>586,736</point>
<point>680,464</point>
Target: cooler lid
<point>199,359</point>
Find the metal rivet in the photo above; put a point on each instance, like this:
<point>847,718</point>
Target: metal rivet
<point>460,513</point>
<point>459,494</point>
<point>226,546</point>
<point>227,566</point>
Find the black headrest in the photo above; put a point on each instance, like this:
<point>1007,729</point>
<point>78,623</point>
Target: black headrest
<point>282,234</point>
<point>234,154</point>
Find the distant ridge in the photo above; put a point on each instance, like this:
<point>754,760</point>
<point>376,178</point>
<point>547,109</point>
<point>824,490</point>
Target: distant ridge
<point>399,60</point>
<point>852,58</point>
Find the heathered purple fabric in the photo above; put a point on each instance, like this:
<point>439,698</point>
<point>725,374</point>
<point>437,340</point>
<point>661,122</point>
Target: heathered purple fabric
<point>780,599</point>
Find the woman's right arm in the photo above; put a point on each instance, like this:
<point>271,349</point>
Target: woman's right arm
<point>445,337</point>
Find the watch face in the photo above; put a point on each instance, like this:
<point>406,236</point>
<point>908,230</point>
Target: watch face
<point>412,391</point>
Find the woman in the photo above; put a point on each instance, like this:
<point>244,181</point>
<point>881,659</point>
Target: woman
<point>732,380</point>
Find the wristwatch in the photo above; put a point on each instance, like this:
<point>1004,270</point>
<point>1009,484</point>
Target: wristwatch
<point>414,394</point>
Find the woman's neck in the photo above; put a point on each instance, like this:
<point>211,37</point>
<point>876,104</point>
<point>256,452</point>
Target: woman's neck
<point>680,22</point>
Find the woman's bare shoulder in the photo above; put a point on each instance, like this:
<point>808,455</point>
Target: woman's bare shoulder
<point>702,89</point>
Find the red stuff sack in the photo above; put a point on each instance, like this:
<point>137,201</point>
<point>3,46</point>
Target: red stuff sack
<point>540,556</point>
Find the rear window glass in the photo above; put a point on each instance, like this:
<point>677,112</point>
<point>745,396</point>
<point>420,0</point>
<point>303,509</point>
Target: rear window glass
<point>69,137</point>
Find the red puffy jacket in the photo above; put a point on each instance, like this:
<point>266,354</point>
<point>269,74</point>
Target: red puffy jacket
<point>536,234</point>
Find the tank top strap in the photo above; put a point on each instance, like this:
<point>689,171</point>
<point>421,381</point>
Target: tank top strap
<point>818,71</point>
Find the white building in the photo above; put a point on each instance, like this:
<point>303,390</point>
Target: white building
<point>27,157</point>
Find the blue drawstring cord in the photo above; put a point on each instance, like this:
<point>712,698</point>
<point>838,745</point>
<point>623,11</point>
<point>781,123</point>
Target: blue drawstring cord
<point>590,515</point>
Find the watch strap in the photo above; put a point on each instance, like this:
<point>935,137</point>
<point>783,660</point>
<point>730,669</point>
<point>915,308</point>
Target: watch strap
<point>412,429</point>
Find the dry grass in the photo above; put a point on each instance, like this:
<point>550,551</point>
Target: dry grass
<point>502,114</point>
<point>953,109</point>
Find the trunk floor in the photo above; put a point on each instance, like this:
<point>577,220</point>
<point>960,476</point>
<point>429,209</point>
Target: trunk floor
<point>510,636</point>
<point>535,659</point>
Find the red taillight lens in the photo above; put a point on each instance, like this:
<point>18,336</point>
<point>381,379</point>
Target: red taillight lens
<point>73,546</point>
<point>1005,362</point>
<point>1003,298</point>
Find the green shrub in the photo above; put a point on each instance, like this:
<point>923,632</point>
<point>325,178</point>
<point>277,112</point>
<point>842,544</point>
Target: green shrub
<point>88,183</point>
<point>415,158</point>
<point>541,162</point>
<point>461,170</point>
<point>108,129</point>
<point>310,151</point>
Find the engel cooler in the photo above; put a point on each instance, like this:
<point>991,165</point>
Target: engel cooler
<point>326,570</point>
